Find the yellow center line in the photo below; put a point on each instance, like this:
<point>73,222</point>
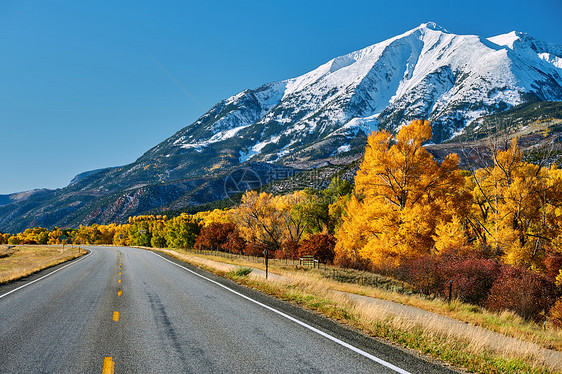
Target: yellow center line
<point>119,293</point>
<point>108,365</point>
<point>119,273</point>
<point>116,316</point>
<point>119,280</point>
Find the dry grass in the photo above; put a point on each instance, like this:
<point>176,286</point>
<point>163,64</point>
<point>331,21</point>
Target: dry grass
<point>7,250</point>
<point>506,322</point>
<point>463,345</point>
<point>29,259</point>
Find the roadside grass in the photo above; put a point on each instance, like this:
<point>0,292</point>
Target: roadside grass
<point>506,322</point>
<point>28,259</point>
<point>7,250</point>
<point>311,290</point>
<point>240,272</point>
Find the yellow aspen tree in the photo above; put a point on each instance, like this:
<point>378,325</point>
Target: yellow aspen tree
<point>293,211</point>
<point>54,236</point>
<point>402,194</point>
<point>121,236</point>
<point>214,216</point>
<point>518,206</point>
<point>259,220</point>
<point>449,234</point>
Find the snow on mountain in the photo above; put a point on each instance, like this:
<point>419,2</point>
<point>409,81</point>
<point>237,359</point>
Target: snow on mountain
<point>426,72</point>
<point>505,39</point>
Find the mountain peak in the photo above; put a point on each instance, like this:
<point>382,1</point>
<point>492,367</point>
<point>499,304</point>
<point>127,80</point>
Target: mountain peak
<point>431,26</point>
<point>506,40</point>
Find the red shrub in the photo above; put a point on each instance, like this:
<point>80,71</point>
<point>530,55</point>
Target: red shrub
<point>424,273</point>
<point>527,293</point>
<point>471,272</point>
<point>255,249</point>
<point>215,236</point>
<point>472,278</point>
<point>234,243</point>
<point>321,246</point>
<point>341,259</point>
<point>552,263</point>
<point>289,249</point>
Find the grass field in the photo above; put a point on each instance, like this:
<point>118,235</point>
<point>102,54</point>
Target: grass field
<point>314,289</point>
<point>23,260</point>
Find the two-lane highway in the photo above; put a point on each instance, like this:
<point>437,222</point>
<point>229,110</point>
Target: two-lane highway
<point>134,311</point>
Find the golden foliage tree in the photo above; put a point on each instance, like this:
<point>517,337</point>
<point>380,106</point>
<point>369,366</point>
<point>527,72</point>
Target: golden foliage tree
<point>517,207</point>
<point>259,219</point>
<point>401,195</point>
<point>214,216</point>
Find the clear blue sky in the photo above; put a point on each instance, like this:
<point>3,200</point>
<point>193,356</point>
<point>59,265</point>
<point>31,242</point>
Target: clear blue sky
<point>80,91</point>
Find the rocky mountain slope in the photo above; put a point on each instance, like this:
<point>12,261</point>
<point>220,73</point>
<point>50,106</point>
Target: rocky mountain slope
<point>325,114</point>
<point>426,73</point>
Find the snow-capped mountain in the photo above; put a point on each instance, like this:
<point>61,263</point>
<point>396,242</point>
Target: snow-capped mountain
<point>426,73</point>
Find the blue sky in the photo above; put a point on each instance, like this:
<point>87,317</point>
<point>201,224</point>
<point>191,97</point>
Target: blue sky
<point>80,88</point>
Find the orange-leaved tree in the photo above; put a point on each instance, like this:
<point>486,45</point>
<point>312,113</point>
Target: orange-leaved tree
<point>402,194</point>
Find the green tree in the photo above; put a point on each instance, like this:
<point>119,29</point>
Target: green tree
<point>182,231</point>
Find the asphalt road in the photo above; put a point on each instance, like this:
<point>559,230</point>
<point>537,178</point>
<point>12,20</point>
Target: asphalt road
<point>134,311</point>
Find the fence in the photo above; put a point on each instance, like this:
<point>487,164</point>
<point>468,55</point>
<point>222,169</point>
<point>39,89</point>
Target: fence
<point>336,273</point>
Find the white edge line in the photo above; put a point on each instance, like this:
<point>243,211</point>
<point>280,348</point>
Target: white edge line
<point>44,276</point>
<point>319,332</point>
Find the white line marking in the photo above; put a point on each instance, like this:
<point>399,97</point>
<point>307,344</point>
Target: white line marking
<point>319,332</point>
<point>44,276</point>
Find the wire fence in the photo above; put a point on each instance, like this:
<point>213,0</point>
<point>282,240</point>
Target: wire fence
<point>309,263</point>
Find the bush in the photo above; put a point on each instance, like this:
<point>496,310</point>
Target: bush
<point>321,246</point>
<point>234,242</point>
<point>552,263</point>
<point>289,249</point>
<point>14,240</point>
<point>424,273</point>
<point>473,280</point>
<point>217,237</point>
<point>473,275</point>
<point>257,249</point>
<point>525,292</point>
